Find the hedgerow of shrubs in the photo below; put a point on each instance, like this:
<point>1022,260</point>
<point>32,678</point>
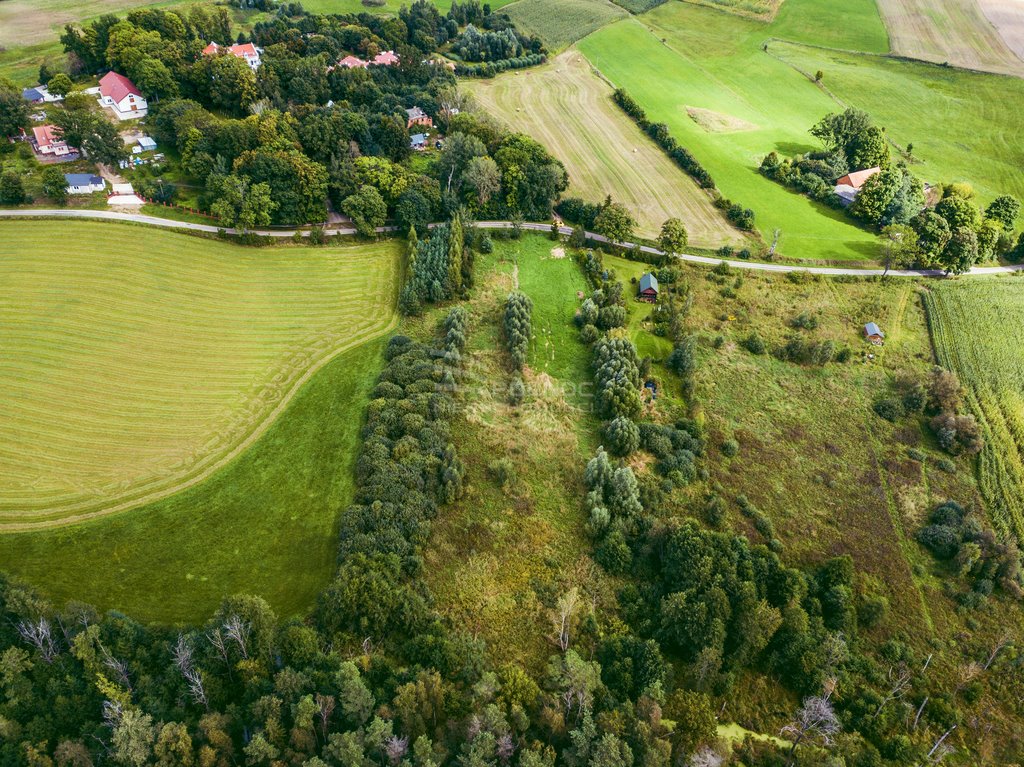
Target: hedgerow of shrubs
<point>737,214</point>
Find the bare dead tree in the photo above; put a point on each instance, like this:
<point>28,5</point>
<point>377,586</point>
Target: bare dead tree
<point>186,665</point>
<point>395,748</point>
<point>39,634</point>
<point>368,646</point>
<point>563,615</point>
<point>967,674</point>
<point>927,663</point>
<point>112,713</point>
<point>899,678</point>
<point>119,667</point>
<point>705,757</point>
<point>237,630</point>
<point>325,707</point>
<point>506,747</point>
<point>217,640</point>
<point>1002,643</point>
<point>920,709</point>
<point>816,720</point>
<point>939,750</point>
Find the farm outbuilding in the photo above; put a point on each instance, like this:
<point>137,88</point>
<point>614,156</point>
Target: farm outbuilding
<point>874,333</point>
<point>648,288</point>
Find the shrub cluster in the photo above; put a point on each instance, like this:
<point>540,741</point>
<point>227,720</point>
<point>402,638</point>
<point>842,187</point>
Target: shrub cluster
<point>613,496</point>
<point>798,349</point>
<point>737,214</point>
<point>761,522</point>
<point>617,377</point>
<point>603,310</point>
<point>676,446</point>
<point>518,308</point>
<point>955,536</point>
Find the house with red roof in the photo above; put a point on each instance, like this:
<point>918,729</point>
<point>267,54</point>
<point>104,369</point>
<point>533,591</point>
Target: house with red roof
<point>119,94</point>
<point>248,52</point>
<point>386,59</point>
<point>46,141</point>
<point>351,62</point>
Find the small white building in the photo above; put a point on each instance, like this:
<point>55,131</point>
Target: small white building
<point>84,183</point>
<point>119,95</point>
<point>248,52</point>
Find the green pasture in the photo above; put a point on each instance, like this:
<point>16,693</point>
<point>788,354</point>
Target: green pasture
<point>266,524</point>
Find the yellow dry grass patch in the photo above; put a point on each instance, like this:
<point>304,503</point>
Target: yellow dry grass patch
<point>717,122</point>
<point>762,10</point>
<point>139,361</point>
<point>568,108</point>
<point>959,33</point>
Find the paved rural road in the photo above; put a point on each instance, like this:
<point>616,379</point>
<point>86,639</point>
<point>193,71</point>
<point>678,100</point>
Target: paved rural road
<point>138,218</point>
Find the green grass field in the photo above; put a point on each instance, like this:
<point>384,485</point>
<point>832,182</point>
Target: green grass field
<point>561,22</point>
<point>712,61</point>
<point>266,524</point>
<point>977,330</point>
<point>566,107</point>
<point>960,126</point>
<point>143,360</point>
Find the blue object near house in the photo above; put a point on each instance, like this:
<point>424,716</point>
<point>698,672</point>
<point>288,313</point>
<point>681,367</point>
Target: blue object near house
<point>653,388</point>
<point>31,94</point>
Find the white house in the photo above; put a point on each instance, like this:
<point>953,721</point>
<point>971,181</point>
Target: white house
<point>119,94</point>
<point>48,142</point>
<point>84,183</point>
<point>248,52</point>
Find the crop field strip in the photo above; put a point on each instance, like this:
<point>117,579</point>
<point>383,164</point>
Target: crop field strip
<point>959,33</point>
<point>568,108</point>
<point>142,360</point>
<point>562,22</point>
<point>976,330</point>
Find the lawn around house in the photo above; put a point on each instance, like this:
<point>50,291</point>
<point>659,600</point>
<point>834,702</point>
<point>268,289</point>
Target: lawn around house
<point>144,360</point>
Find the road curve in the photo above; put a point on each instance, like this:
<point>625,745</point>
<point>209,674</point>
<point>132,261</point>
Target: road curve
<point>834,271</point>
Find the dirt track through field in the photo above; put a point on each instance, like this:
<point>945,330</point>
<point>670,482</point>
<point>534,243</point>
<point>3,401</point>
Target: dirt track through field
<point>961,33</point>
<point>568,109</point>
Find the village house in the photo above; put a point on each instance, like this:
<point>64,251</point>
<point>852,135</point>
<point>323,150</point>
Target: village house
<point>248,52</point>
<point>848,187</point>
<point>648,288</point>
<point>386,59</point>
<point>418,141</point>
<point>874,334</point>
<point>119,94</point>
<point>40,94</point>
<point>84,183</point>
<point>418,117</point>
<point>46,141</point>
<point>351,62</point>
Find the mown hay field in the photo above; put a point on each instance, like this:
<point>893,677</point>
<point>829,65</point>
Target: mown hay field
<point>758,9</point>
<point>142,361</point>
<point>562,22</point>
<point>977,328</point>
<point>568,108</point>
<point>957,33</point>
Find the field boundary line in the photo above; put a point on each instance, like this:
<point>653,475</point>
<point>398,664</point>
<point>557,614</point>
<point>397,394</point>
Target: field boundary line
<point>764,266</point>
<point>212,468</point>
